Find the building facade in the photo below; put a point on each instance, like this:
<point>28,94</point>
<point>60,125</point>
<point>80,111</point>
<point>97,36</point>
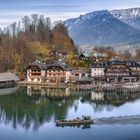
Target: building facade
<point>81,76</point>
<point>41,72</point>
<point>36,72</point>
<point>58,72</point>
<point>117,71</point>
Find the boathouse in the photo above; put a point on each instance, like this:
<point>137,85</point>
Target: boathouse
<point>8,80</point>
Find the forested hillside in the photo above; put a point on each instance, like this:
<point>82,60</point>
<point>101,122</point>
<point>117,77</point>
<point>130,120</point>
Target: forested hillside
<point>29,39</point>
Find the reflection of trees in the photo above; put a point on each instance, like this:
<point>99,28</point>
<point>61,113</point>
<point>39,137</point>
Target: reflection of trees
<point>19,108</point>
<point>109,100</point>
<point>34,109</point>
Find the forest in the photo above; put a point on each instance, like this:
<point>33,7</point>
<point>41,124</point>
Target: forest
<point>33,37</point>
<point>29,39</point>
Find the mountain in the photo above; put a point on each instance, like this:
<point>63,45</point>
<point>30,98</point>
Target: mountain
<point>129,16</point>
<point>101,28</point>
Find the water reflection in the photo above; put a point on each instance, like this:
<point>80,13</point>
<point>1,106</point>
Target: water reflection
<point>115,99</point>
<point>31,107</point>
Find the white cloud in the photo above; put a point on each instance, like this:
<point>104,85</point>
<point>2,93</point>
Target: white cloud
<point>7,18</point>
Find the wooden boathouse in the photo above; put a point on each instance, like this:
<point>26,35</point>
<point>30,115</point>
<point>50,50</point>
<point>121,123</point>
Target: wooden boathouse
<point>8,80</point>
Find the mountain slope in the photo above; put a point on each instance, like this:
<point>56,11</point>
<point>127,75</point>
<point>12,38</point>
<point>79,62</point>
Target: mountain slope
<point>101,28</point>
<point>129,16</point>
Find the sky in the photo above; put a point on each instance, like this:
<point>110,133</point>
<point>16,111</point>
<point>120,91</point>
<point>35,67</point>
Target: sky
<point>13,10</point>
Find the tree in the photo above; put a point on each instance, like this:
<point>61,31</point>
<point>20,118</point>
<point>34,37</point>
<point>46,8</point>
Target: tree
<point>48,29</point>
<point>20,46</point>
<point>41,30</point>
<point>61,38</point>
<point>35,21</point>
<point>13,25</point>
<point>26,23</point>
<point>126,55</point>
<point>137,54</point>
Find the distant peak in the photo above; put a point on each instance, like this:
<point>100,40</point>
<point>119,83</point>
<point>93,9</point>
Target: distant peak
<point>126,13</point>
<point>102,12</point>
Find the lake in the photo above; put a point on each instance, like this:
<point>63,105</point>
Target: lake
<point>29,113</point>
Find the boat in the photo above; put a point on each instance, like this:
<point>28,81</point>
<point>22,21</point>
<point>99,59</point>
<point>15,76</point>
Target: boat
<point>75,122</point>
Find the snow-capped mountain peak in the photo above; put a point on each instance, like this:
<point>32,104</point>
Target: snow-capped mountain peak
<point>105,27</point>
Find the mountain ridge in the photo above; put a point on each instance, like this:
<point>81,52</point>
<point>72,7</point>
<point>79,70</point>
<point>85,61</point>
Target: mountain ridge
<point>101,28</point>
<point>129,16</point>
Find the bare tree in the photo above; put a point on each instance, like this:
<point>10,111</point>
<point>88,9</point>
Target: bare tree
<point>35,21</point>
<point>13,26</point>
<point>26,23</point>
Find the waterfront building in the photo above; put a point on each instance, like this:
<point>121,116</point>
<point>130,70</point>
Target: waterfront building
<point>117,71</point>
<point>58,72</point>
<point>81,76</point>
<point>41,72</point>
<point>7,80</point>
<point>36,72</point>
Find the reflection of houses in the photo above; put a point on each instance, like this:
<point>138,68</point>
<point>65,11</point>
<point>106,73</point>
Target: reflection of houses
<point>35,90</point>
<point>116,71</point>
<point>97,96</point>
<point>48,92</point>
<point>56,72</point>
<point>58,93</point>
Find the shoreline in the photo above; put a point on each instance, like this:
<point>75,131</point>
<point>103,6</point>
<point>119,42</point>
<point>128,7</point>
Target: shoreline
<point>52,85</point>
<point>118,88</point>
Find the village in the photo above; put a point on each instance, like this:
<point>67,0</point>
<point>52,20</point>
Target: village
<point>100,75</point>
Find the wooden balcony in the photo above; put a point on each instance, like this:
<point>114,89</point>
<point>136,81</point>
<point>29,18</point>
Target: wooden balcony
<point>56,73</point>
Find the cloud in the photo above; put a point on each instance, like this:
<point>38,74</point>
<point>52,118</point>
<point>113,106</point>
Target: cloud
<point>13,10</point>
<point>7,18</point>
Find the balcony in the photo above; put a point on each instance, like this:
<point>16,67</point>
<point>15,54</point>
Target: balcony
<point>56,73</point>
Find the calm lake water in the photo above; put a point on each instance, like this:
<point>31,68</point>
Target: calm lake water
<point>29,113</point>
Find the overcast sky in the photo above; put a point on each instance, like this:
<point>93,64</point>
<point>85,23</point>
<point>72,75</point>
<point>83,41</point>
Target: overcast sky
<point>13,10</point>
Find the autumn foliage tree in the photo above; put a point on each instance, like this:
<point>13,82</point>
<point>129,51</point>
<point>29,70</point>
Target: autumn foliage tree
<point>61,38</point>
<point>29,39</point>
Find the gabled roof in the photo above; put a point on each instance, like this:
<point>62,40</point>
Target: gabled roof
<point>93,54</point>
<point>100,64</point>
<point>77,71</point>
<point>116,62</point>
<point>84,54</point>
<point>60,64</point>
<point>39,64</point>
<point>8,77</point>
<point>132,63</point>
